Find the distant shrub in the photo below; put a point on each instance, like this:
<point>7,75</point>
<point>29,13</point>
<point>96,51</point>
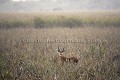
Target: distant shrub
<point>72,22</point>
<point>38,22</point>
<point>12,24</point>
<point>49,21</point>
<point>5,24</point>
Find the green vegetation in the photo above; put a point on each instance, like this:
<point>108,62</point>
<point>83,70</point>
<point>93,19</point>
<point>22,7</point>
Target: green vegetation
<point>61,20</point>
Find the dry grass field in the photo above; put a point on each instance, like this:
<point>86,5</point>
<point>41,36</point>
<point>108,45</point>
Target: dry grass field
<point>29,42</point>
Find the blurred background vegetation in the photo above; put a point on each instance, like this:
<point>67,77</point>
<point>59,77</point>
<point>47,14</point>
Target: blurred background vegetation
<point>103,19</point>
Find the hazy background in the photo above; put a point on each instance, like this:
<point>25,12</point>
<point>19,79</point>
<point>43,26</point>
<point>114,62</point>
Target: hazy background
<point>58,5</point>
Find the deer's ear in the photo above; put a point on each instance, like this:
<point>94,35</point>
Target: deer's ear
<point>63,49</point>
<point>58,49</point>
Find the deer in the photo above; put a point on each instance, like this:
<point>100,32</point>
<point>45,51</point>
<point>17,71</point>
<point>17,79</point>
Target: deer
<point>66,59</point>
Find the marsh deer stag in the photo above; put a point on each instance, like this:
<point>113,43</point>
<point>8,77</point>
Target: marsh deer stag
<point>66,59</point>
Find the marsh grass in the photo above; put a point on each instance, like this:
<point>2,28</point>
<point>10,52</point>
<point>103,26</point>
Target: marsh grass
<point>31,60</point>
<point>26,53</point>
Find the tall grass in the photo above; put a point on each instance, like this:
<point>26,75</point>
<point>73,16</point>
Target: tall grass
<point>29,42</point>
<point>25,54</point>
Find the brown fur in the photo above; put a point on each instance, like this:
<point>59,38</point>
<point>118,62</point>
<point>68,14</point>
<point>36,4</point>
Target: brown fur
<point>70,59</point>
<point>65,59</point>
<point>73,59</point>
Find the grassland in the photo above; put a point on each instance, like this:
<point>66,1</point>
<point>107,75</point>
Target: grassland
<point>69,20</point>
<point>28,43</point>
